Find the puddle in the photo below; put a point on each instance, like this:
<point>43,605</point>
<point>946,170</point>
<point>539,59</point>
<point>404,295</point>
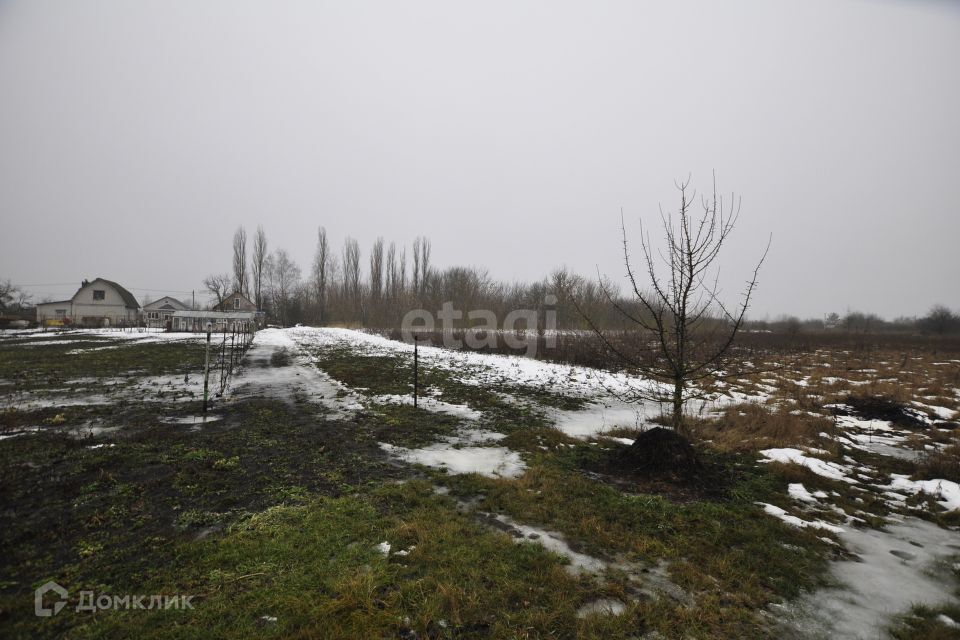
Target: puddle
<point>199,419</point>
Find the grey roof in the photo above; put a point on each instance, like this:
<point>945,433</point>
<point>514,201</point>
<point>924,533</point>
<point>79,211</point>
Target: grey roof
<point>176,304</point>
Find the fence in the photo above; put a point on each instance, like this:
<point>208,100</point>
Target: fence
<point>233,345</point>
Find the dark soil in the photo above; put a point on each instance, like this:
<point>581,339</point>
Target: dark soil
<point>884,408</point>
<point>661,451</point>
<point>662,462</point>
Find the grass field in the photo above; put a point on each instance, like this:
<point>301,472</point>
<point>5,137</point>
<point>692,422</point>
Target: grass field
<point>316,501</point>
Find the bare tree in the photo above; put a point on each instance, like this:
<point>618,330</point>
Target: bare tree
<point>241,280</point>
<point>376,270</point>
<point>12,296</point>
<point>688,329</point>
<point>351,275</point>
<point>940,320</point>
<point>259,262</point>
<point>283,283</point>
<point>416,266</point>
<point>424,278</point>
<point>219,285</point>
<point>321,274</point>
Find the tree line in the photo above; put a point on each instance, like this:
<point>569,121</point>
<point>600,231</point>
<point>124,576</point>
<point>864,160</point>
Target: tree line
<point>375,288</point>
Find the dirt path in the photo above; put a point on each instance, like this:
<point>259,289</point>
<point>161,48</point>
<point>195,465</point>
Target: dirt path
<point>274,367</point>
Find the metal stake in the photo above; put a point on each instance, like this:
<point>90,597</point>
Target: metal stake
<point>416,361</point>
<point>206,371</point>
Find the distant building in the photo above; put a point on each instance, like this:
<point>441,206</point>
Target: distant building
<point>236,301</point>
<point>220,321</point>
<point>159,312</point>
<point>97,303</point>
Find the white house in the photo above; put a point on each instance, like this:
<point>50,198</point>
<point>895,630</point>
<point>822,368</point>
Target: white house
<point>159,312</point>
<point>97,303</point>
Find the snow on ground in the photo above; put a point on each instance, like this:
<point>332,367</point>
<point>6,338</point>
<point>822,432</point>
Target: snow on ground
<point>820,467</point>
<point>260,376</point>
<point>492,462</point>
<point>431,404</point>
<point>905,564</point>
<point>942,413</point>
<point>945,492</point>
<point>777,512</point>
<point>894,568</point>
<point>555,542</point>
<point>139,336</point>
<point>799,492</point>
<point>84,392</point>
<point>603,391</point>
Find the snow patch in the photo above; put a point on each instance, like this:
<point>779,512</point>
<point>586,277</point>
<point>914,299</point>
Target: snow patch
<point>492,462</point>
<point>820,467</point>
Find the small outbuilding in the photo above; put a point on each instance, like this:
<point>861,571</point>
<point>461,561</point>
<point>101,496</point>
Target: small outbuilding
<point>221,321</point>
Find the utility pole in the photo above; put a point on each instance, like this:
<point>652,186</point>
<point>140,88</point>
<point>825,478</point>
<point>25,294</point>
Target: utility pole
<point>206,369</point>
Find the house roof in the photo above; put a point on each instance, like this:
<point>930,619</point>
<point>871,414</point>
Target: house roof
<point>128,298</point>
<point>166,302</point>
<point>230,297</point>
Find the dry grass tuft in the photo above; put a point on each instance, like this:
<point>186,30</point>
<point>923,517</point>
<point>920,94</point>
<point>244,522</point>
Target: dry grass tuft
<point>752,427</point>
<point>942,464</point>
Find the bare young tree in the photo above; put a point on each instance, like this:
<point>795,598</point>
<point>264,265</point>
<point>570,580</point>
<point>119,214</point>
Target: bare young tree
<point>259,262</point>
<point>351,275</point>
<point>376,270</point>
<point>283,283</point>
<point>688,329</point>
<point>416,266</point>
<point>219,285</point>
<point>241,281</point>
<point>321,274</point>
<point>424,277</point>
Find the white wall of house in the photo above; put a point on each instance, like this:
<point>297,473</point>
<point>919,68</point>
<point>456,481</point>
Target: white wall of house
<point>100,300</point>
<point>158,312</point>
<point>53,311</point>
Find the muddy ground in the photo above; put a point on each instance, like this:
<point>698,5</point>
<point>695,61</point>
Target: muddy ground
<point>315,501</point>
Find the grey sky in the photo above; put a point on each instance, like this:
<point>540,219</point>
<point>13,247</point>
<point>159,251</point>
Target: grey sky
<point>135,136</point>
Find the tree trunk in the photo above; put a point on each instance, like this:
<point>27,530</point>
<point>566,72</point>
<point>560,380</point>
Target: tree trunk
<point>677,417</point>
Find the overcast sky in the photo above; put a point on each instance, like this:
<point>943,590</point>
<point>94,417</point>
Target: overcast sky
<point>136,136</point>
